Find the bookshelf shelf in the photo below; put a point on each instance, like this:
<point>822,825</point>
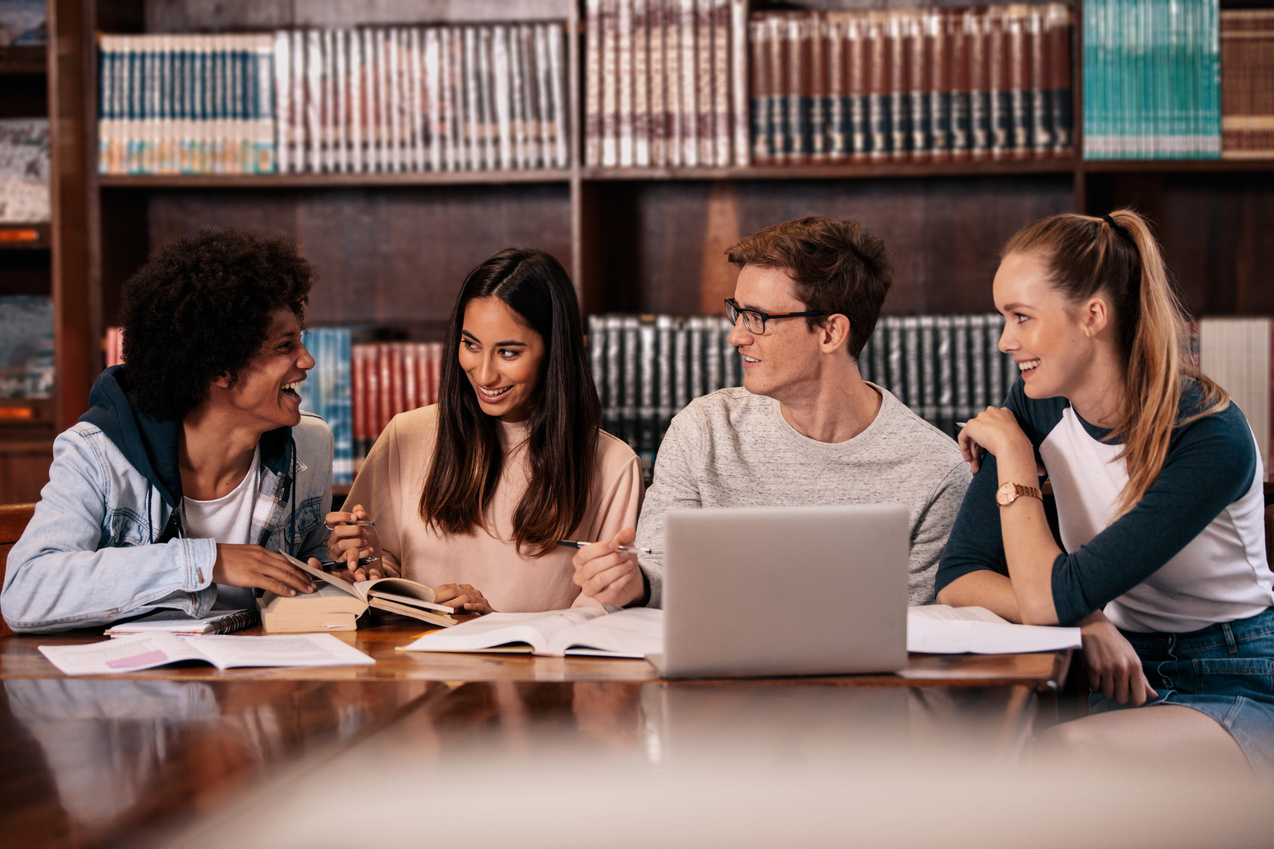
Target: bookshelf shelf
<point>846,171</point>
<point>327,181</point>
<point>1176,166</point>
<point>23,60</point>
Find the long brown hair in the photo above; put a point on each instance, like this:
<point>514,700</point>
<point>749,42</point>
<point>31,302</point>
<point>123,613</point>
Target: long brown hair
<point>562,428</point>
<point>1117,256</point>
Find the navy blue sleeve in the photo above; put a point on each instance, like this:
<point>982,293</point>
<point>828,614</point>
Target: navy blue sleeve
<point>976,541</point>
<point>1211,463</point>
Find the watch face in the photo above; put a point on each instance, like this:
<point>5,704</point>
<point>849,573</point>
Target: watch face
<point>1005,495</point>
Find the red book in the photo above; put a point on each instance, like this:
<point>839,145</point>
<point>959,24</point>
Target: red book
<point>384,396</point>
<point>877,49</point>
<point>762,91</point>
<point>937,39</point>
<point>857,54</point>
<point>958,60</point>
<point>1058,24</point>
<point>975,30</point>
<point>1039,97</point>
<point>998,82</point>
<point>1021,106</point>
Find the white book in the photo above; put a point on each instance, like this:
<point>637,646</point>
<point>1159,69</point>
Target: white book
<point>589,631</point>
<point>557,91</point>
<point>433,102</point>
<point>939,629</point>
<point>146,651</point>
<point>416,87</point>
<point>357,103</point>
<point>503,102</point>
<point>340,85</point>
<point>517,105</point>
<point>283,100</point>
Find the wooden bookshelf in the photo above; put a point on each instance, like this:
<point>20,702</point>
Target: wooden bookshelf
<point>391,249</point>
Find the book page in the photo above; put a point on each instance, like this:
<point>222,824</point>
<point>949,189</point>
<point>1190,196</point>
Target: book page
<point>122,654</point>
<point>942,611</point>
<point>320,575</point>
<point>537,630</point>
<point>625,633</point>
<point>927,634</point>
<point>144,651</point>
<point>226,651</point>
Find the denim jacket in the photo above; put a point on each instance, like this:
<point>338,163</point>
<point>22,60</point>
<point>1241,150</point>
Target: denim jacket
<point>106,541</point>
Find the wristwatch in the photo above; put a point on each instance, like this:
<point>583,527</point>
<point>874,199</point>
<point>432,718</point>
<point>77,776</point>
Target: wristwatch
<point>1010,492</point>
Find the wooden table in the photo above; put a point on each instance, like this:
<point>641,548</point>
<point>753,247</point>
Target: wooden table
<point>188,754</point>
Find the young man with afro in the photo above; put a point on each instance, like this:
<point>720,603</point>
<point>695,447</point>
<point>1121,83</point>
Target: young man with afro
<point>194,465</point>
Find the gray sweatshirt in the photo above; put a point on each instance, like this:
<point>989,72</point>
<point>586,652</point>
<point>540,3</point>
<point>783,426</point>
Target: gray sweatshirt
<point>734,449</point>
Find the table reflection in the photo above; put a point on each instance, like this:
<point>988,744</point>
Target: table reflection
<point>139,756</point>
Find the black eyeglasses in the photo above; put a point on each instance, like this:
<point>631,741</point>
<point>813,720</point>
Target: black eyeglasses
<point>755,321</point>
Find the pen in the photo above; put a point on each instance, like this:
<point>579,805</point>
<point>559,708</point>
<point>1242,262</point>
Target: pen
<point>580,543</point>
<point>339,565</point>
<point>362,523</point>
<point>962,424</point>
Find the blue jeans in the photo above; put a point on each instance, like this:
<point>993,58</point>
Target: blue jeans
<point>1224,670</point>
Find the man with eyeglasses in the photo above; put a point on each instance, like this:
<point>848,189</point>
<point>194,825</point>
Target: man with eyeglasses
<point>804,428</point>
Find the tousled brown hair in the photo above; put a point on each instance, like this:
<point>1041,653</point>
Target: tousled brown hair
<point>1117,256</point>
<point>837,266</point>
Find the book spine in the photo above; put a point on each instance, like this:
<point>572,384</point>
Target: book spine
<point>920,78</point>
<point>761,88</point>
<point>705,116</point>
<point>624,81</point>
<point>938,58</point>
<point>722,121</point>
<point>779,47</point>
<point>592,83</point>
<point>857,55</point>
<point>975,28</point>
<point>814,67</point>
<point>640,38</point>
<point>658,85</point>
<point>1020,142</point>
<point>689,107</point>
<point>1040,100</point>
<point>837,98</point>
<point>879,116</point>
<point>738,16</point>
<point>672,81</point>
<point>899,37</point>
<point>1059,68</point>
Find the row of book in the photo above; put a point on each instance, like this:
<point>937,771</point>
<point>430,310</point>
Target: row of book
<point>24,170</point>
<point>437,98</point>
<point>1238,353</point>
<point>26,346</point>
<point>1247,83</point>
<point>664,83</point>
<point>357,387</point>
<point>911,84</point>
<point>372,99</point>
<point>1152,79</point>
<point>647,368</point>
<point>946,368</point>
<point>186,104</point>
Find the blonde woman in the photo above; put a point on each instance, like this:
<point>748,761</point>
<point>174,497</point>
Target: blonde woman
<point>1158,483</point>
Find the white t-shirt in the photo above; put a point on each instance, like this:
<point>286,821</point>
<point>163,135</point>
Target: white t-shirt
<point>227,519</point>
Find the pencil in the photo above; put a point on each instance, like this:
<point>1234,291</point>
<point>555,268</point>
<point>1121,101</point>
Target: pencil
<point>580,543</point>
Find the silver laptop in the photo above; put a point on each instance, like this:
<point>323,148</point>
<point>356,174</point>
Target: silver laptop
<point>757,591</point>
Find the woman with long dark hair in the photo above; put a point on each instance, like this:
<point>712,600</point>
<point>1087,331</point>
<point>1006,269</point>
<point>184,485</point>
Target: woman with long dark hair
<point>471,496</point>
<point>1159,492</point>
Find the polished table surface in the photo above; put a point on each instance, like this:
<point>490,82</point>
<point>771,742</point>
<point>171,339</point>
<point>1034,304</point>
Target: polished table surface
<point>169,756</point>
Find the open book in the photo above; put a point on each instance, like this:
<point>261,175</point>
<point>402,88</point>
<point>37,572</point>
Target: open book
<point>578,631</point>
<point>144,651</point>
<point>939,629</point>
<point>337,604</point>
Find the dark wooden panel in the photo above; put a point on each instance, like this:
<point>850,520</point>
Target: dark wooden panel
<point>383,257</point>
<point>1215,229</point>
<point>660,246</point>
<point>24,470</point>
